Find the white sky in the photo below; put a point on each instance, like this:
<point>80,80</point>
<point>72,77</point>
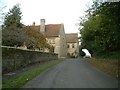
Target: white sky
<point>53,11</point>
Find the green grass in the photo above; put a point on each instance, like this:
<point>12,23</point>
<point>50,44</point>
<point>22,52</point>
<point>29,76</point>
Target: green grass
<point>20,79</point>
<point>109,66</point>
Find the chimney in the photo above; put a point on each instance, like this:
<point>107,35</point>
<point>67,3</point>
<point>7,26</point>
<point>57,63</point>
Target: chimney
<point>42,25</point>
<point>33,23</point>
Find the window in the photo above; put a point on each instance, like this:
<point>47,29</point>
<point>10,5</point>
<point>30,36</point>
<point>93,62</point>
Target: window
<point>72,45</point>
<point>68,46</point>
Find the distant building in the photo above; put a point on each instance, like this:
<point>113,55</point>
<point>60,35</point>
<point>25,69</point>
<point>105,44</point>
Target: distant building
<point>55,36</point>
<point>72,44</point>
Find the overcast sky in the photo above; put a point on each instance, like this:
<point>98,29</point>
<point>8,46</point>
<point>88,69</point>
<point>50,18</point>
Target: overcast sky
<point>53,11</point>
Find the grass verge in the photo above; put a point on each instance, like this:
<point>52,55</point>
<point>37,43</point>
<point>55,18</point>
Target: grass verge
<point>20,79</point>
<point>108,66</point>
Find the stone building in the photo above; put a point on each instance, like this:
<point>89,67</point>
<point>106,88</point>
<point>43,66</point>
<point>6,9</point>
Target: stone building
<point>55,36</point>
<point>72,45</point>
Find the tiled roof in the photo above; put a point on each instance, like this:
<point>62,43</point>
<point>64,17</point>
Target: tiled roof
<point>36,28</point>
<point>71,37</point>
<point>51,30</point>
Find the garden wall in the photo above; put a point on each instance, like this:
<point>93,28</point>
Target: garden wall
<point>13,59</point>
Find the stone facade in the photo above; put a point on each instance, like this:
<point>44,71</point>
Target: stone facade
<point>72,45</point>
<point>55,36</point>
<point>62,43</point>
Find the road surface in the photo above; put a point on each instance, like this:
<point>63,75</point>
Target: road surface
<point>72,73</point>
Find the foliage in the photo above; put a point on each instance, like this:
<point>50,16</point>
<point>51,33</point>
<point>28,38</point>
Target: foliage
<point>13,36</point>
<point>81,53</point>
<point>100,32</point>
<point>13,18</point>
<point>15,33</point>
<point>51,48</point>
<point>35,39</point>
<point>12,33</point>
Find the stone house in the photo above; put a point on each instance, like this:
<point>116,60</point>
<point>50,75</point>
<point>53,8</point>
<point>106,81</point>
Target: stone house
<point>55,36</point>
<point>72,44</point>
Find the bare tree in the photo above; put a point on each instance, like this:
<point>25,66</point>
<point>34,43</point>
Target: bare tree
<point>2,13</point>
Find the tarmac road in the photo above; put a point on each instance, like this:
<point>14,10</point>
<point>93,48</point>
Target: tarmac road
<point>72,73</point>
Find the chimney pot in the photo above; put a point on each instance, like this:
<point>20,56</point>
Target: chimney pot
<point>33,23</point>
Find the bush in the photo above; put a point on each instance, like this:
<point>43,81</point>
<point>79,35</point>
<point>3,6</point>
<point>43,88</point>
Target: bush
<point>81,53</point>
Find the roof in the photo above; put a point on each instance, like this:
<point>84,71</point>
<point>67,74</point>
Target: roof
<point>71,37</point>
<point>51,30</point>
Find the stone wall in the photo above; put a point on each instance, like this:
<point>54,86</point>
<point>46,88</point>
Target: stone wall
<point>13,59</point>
